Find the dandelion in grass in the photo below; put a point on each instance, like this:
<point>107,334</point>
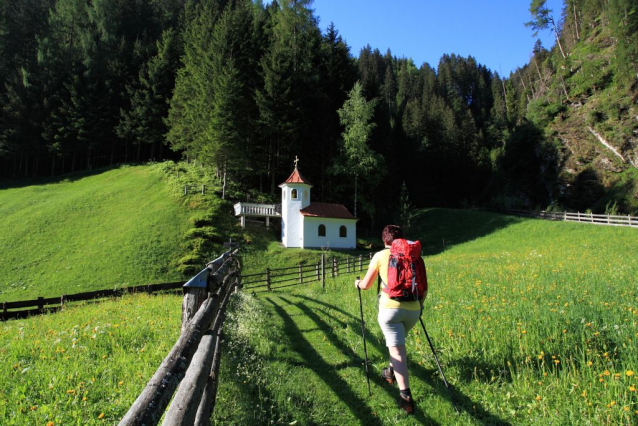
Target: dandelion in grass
<point>101,416</point>
<point>629,373</point>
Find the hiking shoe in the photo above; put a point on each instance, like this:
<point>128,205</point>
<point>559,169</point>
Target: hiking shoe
<point>388,375</point>
<point>406,403</point>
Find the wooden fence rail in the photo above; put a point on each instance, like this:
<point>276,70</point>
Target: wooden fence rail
<point>189,373</point>
<point>598,219</point>
<point>52,304</point>
<point>303,273</point>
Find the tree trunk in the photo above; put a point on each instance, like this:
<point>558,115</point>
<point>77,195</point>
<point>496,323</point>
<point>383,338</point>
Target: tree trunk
<point>560,46</point>
<point>540,77</point>
<point>224,181</point>
<point>356,176</point>
<point>524,87</point>
<point>576,24</point>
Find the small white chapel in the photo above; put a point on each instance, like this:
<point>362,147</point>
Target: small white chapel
<point>307,224</point>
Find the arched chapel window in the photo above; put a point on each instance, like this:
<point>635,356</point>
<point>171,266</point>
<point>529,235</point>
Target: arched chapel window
<point>293,194</point>
<point>322,230</point>
<point>343,231</point>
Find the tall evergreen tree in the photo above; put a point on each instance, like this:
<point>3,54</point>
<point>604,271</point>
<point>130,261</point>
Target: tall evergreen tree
<point>542,18</point>
<point>289,82</point>
<point>144,122</point>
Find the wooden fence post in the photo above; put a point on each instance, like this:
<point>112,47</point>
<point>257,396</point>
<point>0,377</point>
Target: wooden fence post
<point>323,270</point>
<point>360,262</point>
<point>40,303</point>
<point>348,264</point>
<point>4,310</point>
<point>317,270</point>
<point>203,189</point>
<point>300,274</point>
<point>268,278</point>
<point>62,300</point>
<point>185,189</point>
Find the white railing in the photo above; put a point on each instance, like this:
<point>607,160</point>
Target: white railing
<point>599,219</point>
<point>259,210</point>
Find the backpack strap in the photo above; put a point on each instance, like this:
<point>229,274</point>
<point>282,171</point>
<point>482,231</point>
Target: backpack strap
<point>379,280</point>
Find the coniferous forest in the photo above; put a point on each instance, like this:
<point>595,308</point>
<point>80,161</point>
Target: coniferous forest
<point>244,86</point>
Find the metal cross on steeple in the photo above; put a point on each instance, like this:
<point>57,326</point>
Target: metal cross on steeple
<point>296,161</point>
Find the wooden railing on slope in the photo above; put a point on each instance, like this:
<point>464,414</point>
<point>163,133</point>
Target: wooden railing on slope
<point>193,362</point>
<point>598,219</point>
<point>13,310</point>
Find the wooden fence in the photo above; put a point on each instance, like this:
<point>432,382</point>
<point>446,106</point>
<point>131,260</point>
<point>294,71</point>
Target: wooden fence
<point>303,273</point>
<point>598,219</point>
<point>13,310</point>
<point>193,362</point>
<point>194,188</point>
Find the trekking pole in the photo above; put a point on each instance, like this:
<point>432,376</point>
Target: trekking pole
<point>363,333</point>
<point>439,365</point>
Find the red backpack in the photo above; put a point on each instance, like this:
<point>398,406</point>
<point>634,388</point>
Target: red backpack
<point>407,279</point>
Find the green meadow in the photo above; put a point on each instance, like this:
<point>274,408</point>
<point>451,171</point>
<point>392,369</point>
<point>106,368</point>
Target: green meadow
<point>119,228</point>
<point>534,322</point>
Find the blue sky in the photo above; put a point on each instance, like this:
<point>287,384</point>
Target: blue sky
<point>492,31</point>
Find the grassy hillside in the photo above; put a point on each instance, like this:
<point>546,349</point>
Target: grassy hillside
<point>112,229</point>
<point>534,322</point>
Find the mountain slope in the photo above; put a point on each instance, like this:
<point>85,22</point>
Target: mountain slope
<point>587,105</point>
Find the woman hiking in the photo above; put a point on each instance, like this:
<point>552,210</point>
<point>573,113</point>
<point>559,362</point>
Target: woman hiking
<point>396,318</point>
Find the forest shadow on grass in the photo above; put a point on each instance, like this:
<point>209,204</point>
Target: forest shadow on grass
<point>440,229</point>
<point>11,183</point>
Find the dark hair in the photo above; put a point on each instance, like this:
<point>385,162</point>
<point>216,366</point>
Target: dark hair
<point>391,233</point>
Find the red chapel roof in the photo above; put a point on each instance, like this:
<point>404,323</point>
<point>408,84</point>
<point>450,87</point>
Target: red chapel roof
<point>337,211</point>
<point>296,177</point>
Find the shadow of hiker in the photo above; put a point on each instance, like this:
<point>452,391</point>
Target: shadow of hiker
<point>454,396</point>
<point>315,363</point>
<point>339,345</point>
